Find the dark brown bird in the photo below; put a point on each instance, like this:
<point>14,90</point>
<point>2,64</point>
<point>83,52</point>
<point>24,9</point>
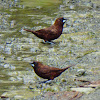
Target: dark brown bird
<point>52,32</point>
<point>46,71</point>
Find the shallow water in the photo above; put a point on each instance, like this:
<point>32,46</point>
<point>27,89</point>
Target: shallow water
<point>79,44</point>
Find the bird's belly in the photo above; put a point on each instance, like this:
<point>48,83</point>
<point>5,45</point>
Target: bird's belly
<point>53,36</point>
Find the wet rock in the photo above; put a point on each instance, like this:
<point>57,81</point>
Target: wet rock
<point>81,72</point>
<point>64,95</point>
<point>84,90</point>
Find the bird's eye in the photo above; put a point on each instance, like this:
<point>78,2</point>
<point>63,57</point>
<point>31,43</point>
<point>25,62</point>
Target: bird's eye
<point>34,63</point>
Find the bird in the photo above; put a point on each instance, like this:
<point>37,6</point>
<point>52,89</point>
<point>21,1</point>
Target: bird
<point>47,72</point>
<point>50,33</point>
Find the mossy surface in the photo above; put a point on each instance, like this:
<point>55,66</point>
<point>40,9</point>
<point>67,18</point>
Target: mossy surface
<point>79,45</point>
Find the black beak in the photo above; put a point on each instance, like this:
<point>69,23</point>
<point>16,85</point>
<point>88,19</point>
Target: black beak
<point>32,64</point>
<point>64,19</point>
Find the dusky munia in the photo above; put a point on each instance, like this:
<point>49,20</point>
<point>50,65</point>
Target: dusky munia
<point>46,71</point>
<point>51,33</point>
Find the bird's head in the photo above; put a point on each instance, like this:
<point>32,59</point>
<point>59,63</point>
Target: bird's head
<point>60,21</point>
<point>34,63</point>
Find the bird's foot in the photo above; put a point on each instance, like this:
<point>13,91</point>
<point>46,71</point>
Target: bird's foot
<point>48,81</point>
<point>48,42</point>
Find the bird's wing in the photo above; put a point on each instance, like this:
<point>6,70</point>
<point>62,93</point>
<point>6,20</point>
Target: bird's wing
<point>49,30</point>
<point>47,69</point>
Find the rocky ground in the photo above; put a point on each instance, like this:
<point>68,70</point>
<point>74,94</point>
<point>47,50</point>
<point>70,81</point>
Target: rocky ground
<point>79,44</point>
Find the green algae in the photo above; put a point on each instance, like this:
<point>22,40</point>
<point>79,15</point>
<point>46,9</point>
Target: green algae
<point>18,48</point>
<point>86,53</point>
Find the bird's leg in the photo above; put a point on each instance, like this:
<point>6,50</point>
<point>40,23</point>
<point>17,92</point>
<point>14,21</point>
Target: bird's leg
<point>42,82</point>
<point>47,81</point>
<point>50,42</point>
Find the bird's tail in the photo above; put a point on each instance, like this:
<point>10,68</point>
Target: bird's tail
<point>67,67</point>
<point>34,32</point>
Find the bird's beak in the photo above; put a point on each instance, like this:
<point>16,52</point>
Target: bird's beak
<point>64,20</point>
<point>31,64</point>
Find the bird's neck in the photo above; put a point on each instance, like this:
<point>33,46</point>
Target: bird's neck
<point>58,25</point>
<point>36,67</point>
